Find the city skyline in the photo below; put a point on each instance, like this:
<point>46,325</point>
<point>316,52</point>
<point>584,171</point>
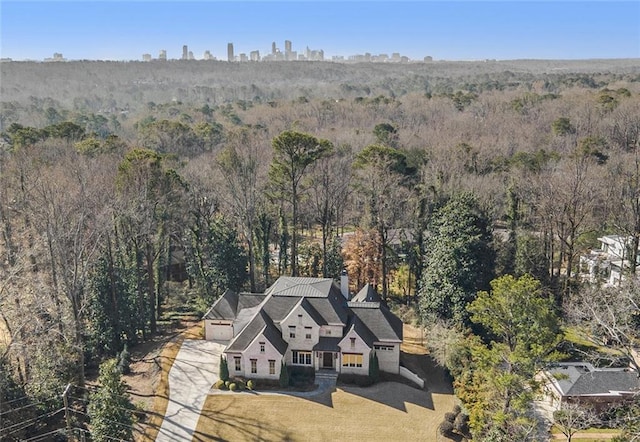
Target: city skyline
<point>456,30</point>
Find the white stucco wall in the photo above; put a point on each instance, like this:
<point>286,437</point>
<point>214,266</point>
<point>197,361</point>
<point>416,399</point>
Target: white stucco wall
<point>359,347</point>
<point>331,331</point>
<point>388,360</point>
<point>299,319</point>
<point>262,360</point>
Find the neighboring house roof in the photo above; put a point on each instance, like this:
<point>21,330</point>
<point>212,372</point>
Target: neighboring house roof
<point>582,379</point>
<point>383,324</point>
<point>366,294</point>
<point>260,324</point>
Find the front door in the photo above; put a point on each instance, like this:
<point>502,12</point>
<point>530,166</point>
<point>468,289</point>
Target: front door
<point>327,360</point>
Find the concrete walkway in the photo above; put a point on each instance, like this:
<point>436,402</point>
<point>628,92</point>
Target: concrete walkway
<point>192,374</point>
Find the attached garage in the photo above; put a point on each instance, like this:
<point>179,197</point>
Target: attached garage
<point>218,330</point>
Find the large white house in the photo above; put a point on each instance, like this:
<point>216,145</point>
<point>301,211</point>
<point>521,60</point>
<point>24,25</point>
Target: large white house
<point>610,262</point>
<point>304,322</point>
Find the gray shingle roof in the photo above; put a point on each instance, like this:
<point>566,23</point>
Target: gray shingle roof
<point>278,307</point>
<point>326,343</point>
<point>261,323</point>
<point>332,309</point>
<point>584,380</point>
<point>230,304</point>
<point>225,307</point>
<point>383,324</point>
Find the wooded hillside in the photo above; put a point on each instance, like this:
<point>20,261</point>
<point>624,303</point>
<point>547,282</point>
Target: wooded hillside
<point>125,184</point>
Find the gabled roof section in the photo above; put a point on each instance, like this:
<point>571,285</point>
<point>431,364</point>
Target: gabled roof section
<point>311,310</point>
<point>260,324</point>
<point>302,287</point>
<point>366,294</point>
<point>361,330</point>
<point>230,305</point>
<point>225,307</point>
<point>278,307</point>
<point>249,300</point>
<point>378,319</point>
<point>582,379</point>
<point>332,309</point>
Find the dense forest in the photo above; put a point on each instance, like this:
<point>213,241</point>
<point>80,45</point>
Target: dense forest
<point>454,188</point>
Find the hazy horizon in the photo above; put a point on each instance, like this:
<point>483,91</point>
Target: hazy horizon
<point>451,31</point>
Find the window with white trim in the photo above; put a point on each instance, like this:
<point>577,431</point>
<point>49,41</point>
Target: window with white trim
<point>307,332</point>
<point>272,366</point>
<point>301,357</point>
<point>353,342</point>
<point>236,361</point>
<point>352,359</point>
<point>292,331</point>
<point>262,347</point>
<point>254,366</point>
<point>384,347</point>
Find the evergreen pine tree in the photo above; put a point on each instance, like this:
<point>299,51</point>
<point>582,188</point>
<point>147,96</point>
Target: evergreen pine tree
<point>374,367</point>
<point>110,409</point>
<point>224,369</point>
<point>284,375</point>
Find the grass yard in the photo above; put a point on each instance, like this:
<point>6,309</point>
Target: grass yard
<point>384,412</point>
<point>387,411</point>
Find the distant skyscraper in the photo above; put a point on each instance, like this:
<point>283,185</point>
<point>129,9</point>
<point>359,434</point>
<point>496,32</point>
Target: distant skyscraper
<point>254,56</point>
<point>163,55</point>
<point>185,52</point>
<point>273,48</point>
<point>230,56</point>
<point>207,55</point>
<point>146,57</point>
<point>287,50</point>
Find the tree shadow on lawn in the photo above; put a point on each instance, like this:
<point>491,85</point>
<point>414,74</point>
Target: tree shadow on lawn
<point>247,427</point>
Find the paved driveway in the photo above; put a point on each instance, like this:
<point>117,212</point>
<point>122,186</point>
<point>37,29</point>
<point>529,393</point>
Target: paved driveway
<point>194,371</point>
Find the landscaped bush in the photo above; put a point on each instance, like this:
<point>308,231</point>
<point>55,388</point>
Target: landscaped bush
<point>250,384</point>
<point>220,385</point>
<point>233,386</point>
<point>227,383</point>
<point>446,428</point>
<point>450,416</point>
<point>241,385</point>
<point>461,424</point>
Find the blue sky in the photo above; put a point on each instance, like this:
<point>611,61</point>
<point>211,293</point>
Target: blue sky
<point>453,30</point>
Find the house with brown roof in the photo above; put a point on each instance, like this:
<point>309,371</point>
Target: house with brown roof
<point>306,322</point>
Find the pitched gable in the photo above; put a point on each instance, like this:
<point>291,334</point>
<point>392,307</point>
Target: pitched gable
<point>260,324</point>
<point>378,319</point>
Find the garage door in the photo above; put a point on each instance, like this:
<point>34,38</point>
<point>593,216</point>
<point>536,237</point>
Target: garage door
<point>220,332</point>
